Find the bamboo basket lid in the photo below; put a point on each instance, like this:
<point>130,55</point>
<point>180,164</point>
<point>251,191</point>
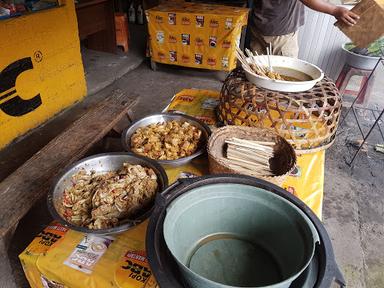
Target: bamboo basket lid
<point>307,120</point>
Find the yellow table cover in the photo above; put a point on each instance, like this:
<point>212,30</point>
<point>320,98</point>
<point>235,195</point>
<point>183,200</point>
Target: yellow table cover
<point>195,35</point>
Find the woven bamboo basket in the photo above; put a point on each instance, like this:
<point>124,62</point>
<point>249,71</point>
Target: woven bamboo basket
<point>308,120</point>
<point>281,164</point>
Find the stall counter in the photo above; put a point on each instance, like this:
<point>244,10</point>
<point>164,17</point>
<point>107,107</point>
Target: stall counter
<point>41,70</point>
<point>59,257</point>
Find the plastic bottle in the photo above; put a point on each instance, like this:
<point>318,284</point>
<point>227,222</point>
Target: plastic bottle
<point>132,13</point>
<point>140,15</point>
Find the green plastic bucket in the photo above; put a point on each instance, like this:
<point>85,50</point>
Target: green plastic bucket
<point>235,235</point>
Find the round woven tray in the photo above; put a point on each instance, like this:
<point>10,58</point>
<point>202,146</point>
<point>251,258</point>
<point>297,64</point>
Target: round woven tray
<point>281,164</point>
<point>308,120</point>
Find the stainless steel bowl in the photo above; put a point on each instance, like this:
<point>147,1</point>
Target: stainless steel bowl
<point>164,117</point>
<point>104,163</point>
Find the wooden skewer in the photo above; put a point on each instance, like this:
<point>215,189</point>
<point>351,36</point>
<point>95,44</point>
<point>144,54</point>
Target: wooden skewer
<point>255,64</point>
<point>262,162</point>
<point>249,152</point>
<point>247,171</point>
<point>250,157</point>
<point>251,149</point>
<point>255,61</point>
<point>265,143</point>
<point>269,60</point>
<point>241,59</point>
<point>250,145</point>
<point>241,53</point>
<point>252,168</point>
<point>249,164</point>
<point>262,60</point>
<point>253,161</point>
<point>246,65</point>
<point>256,67</point>
<point>258,158</point>
<point>249,142</point>
<point>251,63</point>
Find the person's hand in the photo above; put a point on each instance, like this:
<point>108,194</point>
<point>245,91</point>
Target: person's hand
<point>344,15</point>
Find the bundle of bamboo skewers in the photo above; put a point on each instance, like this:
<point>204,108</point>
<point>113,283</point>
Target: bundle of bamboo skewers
<point>257,64</point>
<point>250,157</point>
<point>230,148</point>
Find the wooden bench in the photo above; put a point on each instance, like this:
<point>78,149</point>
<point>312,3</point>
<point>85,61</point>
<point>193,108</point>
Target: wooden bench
<point>30,182</point>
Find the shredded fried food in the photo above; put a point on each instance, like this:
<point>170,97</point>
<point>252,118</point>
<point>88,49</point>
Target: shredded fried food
<point>99,201</point>
<point>166,141</point>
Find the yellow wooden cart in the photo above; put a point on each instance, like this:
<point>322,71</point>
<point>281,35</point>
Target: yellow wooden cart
<point>195,35</point>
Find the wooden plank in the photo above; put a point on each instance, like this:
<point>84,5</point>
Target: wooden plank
<point>20,190</point>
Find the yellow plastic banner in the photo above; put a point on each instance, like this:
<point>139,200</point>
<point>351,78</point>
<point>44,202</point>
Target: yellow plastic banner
<point>119,262</point>
<point>195,35</point>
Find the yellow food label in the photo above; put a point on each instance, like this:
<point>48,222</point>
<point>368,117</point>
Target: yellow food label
<point>200,104</point>
<point>307,181</point>
<point>151,283</point>
<point>197,167</point>
<point>46,239</point>
<point>88,252</point>
<point>133,270</point>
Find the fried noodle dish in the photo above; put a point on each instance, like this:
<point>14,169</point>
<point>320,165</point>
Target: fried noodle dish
<point>166,141</point>
<point>99,201</point>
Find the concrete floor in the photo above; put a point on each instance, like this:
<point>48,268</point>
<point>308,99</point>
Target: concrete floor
<point>354,198</point>
<point>354,209</point>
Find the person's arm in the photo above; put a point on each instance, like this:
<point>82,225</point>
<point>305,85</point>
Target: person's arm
<point>340,13</point>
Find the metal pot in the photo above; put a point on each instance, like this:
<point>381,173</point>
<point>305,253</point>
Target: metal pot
<point>321,272</point>
<point>164,117</point>
<point>103,163</point>
<point>360,61</point>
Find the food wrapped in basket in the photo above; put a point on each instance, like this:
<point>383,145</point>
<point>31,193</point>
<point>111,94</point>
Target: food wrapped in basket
<point>250,151</point>
<point>308,120</point>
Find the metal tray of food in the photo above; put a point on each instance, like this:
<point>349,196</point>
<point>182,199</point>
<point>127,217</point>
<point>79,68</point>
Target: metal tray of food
<point>164,117</point>
<point>104,163</point>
